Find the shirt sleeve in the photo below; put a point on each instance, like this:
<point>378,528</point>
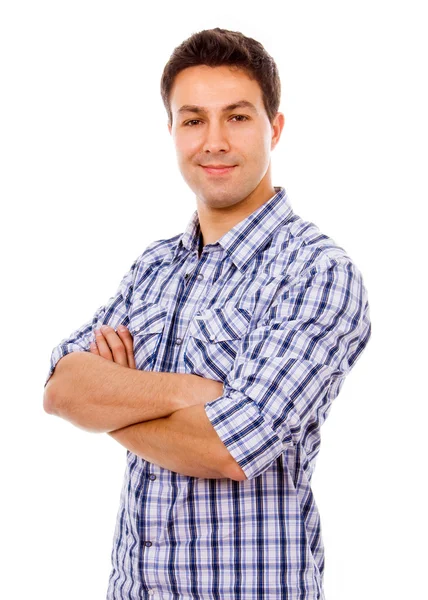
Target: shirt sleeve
<point>113,313</point>
<point>291,366</point>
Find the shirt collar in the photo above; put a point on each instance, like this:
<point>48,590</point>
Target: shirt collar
<point>244,241</point>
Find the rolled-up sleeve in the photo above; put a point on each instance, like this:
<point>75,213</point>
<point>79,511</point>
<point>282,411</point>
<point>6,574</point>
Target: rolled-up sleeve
<point>292,365</point>
<point>113,313</point>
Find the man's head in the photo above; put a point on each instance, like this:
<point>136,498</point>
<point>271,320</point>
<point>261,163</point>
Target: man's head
<point>218,47</point>
<point>221,91</point>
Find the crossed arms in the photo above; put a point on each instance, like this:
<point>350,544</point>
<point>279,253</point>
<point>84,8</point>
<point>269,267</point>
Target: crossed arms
<point>158,416</point>
<point>286,374</point>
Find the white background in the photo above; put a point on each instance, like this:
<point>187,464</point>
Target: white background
<point>89,178</point>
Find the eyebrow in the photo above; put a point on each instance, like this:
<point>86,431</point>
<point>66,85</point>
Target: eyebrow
<point>201,109</point>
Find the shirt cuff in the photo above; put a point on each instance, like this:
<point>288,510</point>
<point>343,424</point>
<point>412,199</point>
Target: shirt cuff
<point>248,437</point>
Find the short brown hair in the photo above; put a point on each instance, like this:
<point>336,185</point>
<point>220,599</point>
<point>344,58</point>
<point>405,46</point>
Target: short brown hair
<point>217,47</point>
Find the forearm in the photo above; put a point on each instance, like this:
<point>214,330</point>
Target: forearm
<point>184,442</point>
<point>101,396</point>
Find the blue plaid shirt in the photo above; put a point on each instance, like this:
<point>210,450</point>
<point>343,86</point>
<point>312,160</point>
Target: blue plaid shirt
<point>278,312</point>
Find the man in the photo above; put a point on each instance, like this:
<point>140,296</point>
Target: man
<point>237,336</point>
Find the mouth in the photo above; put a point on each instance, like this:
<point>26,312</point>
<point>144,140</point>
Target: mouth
<point>218,170</point>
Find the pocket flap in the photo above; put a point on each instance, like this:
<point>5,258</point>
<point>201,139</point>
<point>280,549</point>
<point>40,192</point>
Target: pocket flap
<point>217,324</point>
<point>147,318</point>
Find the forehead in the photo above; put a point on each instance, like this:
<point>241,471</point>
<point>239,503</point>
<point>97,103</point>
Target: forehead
<point>214,87</point>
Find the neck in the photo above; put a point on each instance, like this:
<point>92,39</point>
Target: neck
<point>215,222</point>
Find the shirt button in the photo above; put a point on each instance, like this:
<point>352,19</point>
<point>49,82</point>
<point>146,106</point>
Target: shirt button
<point>178,341</point>
<point>152,476</point>
<point>199,276</point>
<point>148,544</point>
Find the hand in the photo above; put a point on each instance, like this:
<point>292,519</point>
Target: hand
<point>116,346</point>
<point>120,343</point>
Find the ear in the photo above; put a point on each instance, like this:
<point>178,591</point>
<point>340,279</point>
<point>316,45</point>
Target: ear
<point>277,127</point>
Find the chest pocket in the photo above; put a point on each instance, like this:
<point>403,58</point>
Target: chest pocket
<point>213,341</point>
<point>146,324</point>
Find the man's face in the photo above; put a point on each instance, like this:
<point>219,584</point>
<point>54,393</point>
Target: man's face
<point>208,130</point>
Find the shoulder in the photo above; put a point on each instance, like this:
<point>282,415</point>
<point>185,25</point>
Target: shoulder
<point>300,248</point>
<point>154,255</point>
<point>159,250</point>
<point>313,275</point>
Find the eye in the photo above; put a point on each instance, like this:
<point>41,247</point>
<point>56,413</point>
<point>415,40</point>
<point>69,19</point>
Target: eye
<point>188,123</point>
<point>240,117</point>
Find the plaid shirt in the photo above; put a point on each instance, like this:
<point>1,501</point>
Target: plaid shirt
<point>278,312</point>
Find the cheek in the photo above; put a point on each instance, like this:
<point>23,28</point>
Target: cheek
<point>252,143</point>
<point>186,146</point>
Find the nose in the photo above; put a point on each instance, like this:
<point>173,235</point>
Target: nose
<point>215,139</point>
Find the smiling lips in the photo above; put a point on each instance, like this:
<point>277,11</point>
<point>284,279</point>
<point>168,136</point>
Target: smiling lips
<point>218,169</point>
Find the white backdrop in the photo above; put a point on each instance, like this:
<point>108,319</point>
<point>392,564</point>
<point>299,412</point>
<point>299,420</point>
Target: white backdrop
<point>87,168</point>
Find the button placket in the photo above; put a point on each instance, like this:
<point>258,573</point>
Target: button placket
<point>200,295</point>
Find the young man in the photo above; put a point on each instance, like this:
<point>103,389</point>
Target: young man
<point>238,335</point>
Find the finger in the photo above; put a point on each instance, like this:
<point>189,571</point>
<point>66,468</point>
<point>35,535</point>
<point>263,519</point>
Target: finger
<point>93,348</point>
<point>126,337</point>
<point>103,347</point>
<point>116,346</point>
